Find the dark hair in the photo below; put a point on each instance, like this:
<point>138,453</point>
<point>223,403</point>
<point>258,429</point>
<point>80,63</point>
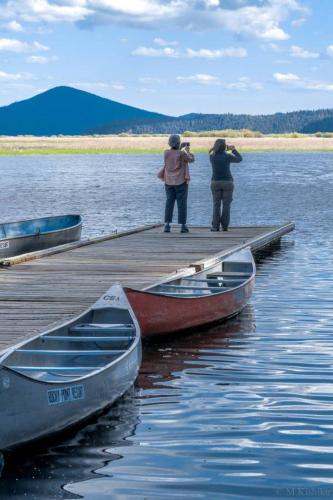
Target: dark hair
<point>219,146</point>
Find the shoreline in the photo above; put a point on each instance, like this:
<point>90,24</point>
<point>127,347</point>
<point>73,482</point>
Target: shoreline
<point>75,145</point>
<point>71,152</point>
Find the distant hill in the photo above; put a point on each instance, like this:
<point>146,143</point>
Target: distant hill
<point>67,111</point>
<point>278,123</point>
<point>324,125</point>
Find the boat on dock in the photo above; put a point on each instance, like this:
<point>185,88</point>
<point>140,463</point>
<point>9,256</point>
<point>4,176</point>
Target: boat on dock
<point>195,298</point>
<point>37,234</point>
<point>63,376</point>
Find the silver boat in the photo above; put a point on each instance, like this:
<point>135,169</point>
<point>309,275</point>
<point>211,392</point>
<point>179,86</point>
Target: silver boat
<point>37,234</point>
<point>69,373</point>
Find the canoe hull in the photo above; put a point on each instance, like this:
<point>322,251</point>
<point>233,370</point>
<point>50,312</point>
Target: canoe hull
<point>60,378</point>
<point>20,423</point>
<point>41,234</point>
<point>158,314</point>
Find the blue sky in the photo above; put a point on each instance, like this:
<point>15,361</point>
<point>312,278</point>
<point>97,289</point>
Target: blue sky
<point>172,56</point>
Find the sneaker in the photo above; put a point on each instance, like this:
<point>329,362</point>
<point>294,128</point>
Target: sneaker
<point>184,229</point>
<point>225,229</point>
<point>167,228</point>
<point>215,229</point>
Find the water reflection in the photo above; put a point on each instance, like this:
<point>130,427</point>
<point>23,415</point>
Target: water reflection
<point>41,473</point>
<point>53,472</point>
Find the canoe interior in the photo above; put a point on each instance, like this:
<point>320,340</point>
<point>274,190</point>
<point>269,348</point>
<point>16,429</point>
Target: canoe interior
<point>38,226</point>
<point>223,276</point>
<point>79,348</point>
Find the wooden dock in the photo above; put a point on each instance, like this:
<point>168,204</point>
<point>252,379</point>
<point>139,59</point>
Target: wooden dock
<point>41,289</point>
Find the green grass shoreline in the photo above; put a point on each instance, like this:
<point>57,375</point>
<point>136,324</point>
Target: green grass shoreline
<point>64,151</point>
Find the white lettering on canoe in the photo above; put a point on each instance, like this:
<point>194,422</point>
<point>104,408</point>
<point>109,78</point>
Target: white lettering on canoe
<point>65,394</point>
<point>4,244</point>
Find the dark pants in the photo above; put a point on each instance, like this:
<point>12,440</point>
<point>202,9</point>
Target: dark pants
<point>222,193</point>
<point>174,193</point>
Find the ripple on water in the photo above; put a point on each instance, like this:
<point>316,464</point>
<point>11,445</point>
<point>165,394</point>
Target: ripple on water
<point>240,410</point>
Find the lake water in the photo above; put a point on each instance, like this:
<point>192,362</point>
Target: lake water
<point>241,410</point>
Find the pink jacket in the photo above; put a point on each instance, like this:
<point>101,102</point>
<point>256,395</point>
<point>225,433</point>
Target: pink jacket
<point>176,169</point>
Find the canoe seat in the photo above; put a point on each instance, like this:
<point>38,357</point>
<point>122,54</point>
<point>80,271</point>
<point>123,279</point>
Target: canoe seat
<point>189,287</point>
<point>49,352</point>
<point>72,338</point>
<point>214,280</point>
<point>91,328</point>
<point>54,368</point>
<point>228,274</point>
<point>192,295</point>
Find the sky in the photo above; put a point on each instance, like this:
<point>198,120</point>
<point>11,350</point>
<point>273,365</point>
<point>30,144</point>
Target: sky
<point>172,56</point>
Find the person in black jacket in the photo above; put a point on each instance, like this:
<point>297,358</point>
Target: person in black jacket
<point>222,185</point>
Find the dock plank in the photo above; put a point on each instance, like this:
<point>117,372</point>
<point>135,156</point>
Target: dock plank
<point>48,287</point>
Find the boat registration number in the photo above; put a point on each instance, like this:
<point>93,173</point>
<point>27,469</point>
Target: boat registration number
<point>65,394</point>
<point>4,244</point>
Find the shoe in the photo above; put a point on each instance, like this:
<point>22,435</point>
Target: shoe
<point>215,229</point>
<point>184,229</point>
<point>225,229</point>
<point>167,228</point>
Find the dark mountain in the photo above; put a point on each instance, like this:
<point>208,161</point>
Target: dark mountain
<point>278,123</point>
<point>67,111</point>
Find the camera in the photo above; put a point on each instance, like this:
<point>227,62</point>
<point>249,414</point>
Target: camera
<point>185,144</point>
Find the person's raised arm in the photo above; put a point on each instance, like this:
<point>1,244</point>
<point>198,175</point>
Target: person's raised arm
<point>187,155</point>
<point>235,156</point>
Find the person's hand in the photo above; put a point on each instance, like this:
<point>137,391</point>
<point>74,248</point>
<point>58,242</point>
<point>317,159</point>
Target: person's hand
<point>187,149</point>
<point>230,148</point>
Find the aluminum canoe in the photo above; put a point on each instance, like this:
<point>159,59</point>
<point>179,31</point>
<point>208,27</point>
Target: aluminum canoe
<point>31,235</point>
<point>65,375</point>
<point>197,298</point>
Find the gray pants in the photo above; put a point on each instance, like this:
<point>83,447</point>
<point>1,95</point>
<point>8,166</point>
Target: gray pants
<point>222,193</point>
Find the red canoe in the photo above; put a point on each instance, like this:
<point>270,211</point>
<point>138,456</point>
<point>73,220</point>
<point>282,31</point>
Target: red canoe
<point>196,299</point>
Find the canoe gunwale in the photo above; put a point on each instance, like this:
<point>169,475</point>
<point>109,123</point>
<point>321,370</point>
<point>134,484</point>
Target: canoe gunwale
<point>43,233</point>
<point>193,272</point>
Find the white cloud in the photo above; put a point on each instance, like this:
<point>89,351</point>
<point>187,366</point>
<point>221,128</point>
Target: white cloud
<point>252,18</point>
<point>40,47</point>
<point>146,90</point>
<point>217,53</point>
<point>118,86</point>
<point>14,26</point>
<point>163,43</point>
<point>41,59</point>
<point>329,50</point>
<point>298,22</point>
<point>244,84</point>
<point>149,79</point>
<point>152,52</point>
<point>200,78</point>
<point>13,45</point>
<point>190,53</point>
<point>296,51</point>
<point>295,82</point>
<point>46,11</point>
<point>14,77</point>
<point>286,77</point>
<point>98,85</point>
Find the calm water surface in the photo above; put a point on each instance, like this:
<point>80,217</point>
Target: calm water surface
<point>242,410</point>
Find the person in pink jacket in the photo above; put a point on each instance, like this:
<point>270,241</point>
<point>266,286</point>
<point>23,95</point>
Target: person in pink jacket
<point>176,177</point>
